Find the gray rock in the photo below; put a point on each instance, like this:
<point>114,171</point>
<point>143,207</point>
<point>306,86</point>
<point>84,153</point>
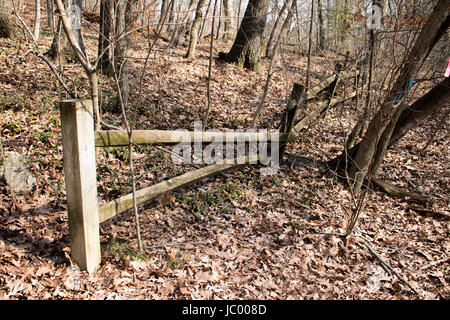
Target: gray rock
<point>18,174</point>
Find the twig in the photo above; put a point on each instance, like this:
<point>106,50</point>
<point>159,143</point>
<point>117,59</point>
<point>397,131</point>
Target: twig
<point>384,264</point>
<point>162,245</point>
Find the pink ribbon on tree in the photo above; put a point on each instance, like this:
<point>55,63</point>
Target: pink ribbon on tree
<point>447,73</point>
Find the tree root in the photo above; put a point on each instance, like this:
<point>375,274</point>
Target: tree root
<point>398,192</point>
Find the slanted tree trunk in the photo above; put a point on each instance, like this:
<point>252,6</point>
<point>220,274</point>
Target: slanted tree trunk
<point>37,20</point>
<point>371,146</point>
<point>269,50</point>
<point>408,117</point>
<point>246,49</point>
<point>194,30</point>
<point>427,105</point>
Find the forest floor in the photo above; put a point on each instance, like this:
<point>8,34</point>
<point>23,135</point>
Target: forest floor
<point>239,235</point>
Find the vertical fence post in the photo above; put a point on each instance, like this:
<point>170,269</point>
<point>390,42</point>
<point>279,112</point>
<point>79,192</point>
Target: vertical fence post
<point>77,123</point>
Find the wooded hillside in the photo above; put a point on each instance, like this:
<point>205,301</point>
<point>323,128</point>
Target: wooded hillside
<point>351,201</point>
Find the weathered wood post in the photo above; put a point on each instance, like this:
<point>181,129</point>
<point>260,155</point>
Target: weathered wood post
<point>290,113</point>
<point>77,121</point>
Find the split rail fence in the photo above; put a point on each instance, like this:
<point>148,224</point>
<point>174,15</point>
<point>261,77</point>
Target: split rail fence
<point>80,141</point>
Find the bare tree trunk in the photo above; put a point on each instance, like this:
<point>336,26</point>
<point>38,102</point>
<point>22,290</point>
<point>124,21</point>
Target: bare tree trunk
<point>106,7</point>
<point>246,49</point>
<point>205,19</point>
<point>37,20</point>
<point>227,18</point>
<point>238,22</point>
<point>220,19</point>
<point>370,62</point>
<point>78,33</point>
<point>171,20</point>
<point>321,25</point>
<point>54,52</point>
<point>124,23</point>
<point>164,10</point>
<point>308,68</point>
<point>50,14</point>
<point>275,26</point>
<point>194,30</point>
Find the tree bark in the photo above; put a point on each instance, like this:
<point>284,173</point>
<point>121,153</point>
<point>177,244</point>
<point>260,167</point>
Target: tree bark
<point>78,33</point>
<point>37,20</point>
<point>321,25</point>
<point>164,11</point>
<point>246,49</point>
<point>124,23</point>
<point>50,14</point>
<point>106,7</point>
<point>194,30</point>
<point>308,67</point>
<point>227,18</point>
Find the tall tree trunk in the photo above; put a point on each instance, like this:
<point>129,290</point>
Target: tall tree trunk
<point>78,33</point>
<point>238,22</point>
<point>124,23</point>
<point>171,20</point>
<point>321,25</point>
<point>189,18</point>
<point>50,14</point>
<point>205,19</point>
<point>165,4</point>
<point>194,30</point>
<point>37,20</point>
<point>120,47</point>
<point>246,49</point>
<point>227,18</point>
<point>435,27</point>
<point>275,26</point>
<point>308,67</point>
<point>220,20</point>
<point>106,10</point>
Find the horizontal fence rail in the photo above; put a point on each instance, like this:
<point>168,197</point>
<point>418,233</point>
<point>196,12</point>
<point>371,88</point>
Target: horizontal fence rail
<point>80,140</point>
<point>144,195</point>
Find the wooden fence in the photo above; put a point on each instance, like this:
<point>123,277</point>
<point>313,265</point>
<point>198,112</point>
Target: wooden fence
<point>80,141</point>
